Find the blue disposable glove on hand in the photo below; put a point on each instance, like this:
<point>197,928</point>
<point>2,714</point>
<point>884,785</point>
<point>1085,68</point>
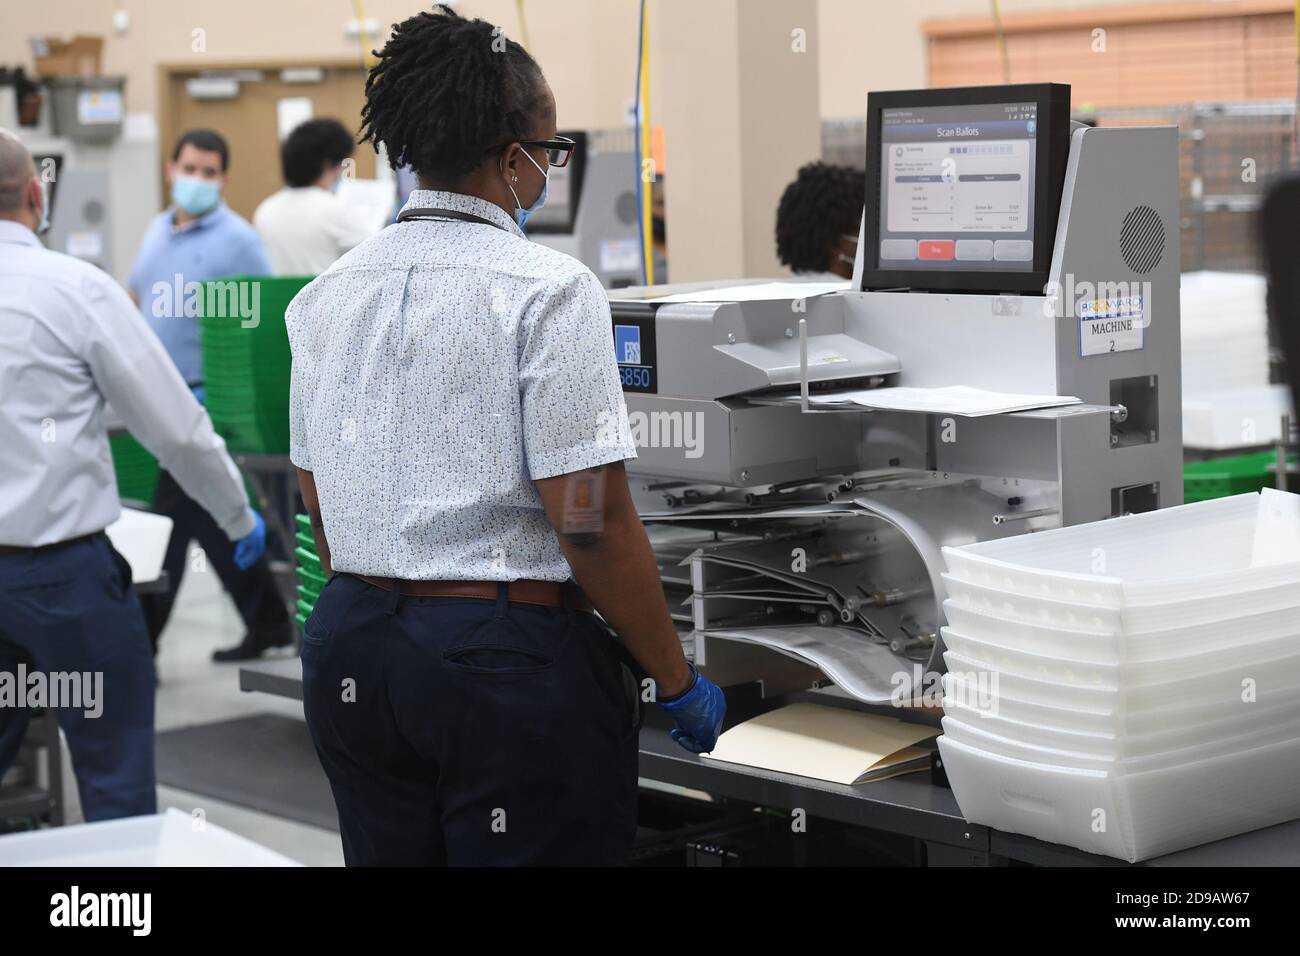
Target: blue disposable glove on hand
<point>698,714</point>
<point>251,546</point>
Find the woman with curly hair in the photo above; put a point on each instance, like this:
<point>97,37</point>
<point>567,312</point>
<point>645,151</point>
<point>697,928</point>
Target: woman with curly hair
<point>817,220</point>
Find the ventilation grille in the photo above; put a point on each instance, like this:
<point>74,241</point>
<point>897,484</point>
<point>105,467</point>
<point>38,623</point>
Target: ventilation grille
<point>1142,240</point>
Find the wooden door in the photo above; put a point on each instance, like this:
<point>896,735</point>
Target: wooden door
<point>249,121</point>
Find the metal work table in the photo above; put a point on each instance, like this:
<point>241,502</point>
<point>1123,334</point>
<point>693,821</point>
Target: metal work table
<point>909,805</point>
<point>281,677</point>
<point>913,806</point>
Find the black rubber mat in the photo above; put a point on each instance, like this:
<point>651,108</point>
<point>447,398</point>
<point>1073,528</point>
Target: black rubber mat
<point>265,762</point>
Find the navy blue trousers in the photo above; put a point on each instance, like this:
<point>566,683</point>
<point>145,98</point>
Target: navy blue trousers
<point>254,591</point>
<point>71,609</point>
<point>471,732</point>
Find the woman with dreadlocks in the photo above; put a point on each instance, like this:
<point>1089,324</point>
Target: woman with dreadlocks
<point>458,425</point>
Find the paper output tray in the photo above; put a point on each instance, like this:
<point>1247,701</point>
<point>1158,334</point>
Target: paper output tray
<point>851,659</point>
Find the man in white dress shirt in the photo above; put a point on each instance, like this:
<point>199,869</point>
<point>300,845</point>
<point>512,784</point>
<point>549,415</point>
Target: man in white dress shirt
<point>306,226</point>
<point>71,341</point>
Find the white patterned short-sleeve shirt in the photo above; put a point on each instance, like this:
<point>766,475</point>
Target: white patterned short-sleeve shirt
<point>439,368</point>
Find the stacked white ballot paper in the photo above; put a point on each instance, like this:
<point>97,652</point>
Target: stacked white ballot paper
<point>757,292</point>
<point>948,400</point>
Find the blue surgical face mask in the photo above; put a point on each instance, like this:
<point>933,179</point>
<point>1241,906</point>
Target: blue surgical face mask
<point>196,196</point>
<point>522,214</point>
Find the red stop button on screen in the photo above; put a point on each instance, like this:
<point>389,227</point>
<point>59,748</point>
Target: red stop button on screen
<point>935,249</point>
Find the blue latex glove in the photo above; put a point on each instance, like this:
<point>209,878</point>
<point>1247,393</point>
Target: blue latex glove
<point>251,546</point>
<point>698,714</point>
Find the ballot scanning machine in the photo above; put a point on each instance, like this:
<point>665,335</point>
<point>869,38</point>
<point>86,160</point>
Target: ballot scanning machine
<point>591,209</point>
<point>1002,248</point>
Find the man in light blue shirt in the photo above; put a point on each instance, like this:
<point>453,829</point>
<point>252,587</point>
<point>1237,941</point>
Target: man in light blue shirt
<point>199,238</point>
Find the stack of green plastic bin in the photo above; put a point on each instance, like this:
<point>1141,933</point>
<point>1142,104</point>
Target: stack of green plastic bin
<point>246,361</point>
<point>1237,475</point>
<point>137,470</point>
<point>311,576</point>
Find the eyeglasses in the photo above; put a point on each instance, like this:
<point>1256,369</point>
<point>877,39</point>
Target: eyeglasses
<point>558,150</point>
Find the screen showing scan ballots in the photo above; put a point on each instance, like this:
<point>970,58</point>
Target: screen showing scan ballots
<point>957,187</point>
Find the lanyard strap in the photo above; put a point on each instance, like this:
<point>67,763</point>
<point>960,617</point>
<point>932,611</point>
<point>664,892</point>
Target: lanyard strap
<point>407,215</point>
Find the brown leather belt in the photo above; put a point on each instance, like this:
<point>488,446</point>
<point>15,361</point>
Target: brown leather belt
<point>43,548</point>
<point>525,591</point>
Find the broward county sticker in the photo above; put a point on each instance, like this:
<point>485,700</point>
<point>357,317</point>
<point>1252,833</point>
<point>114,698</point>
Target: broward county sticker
<point>1111,325</point>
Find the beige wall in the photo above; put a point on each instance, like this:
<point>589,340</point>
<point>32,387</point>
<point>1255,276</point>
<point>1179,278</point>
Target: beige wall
<point>587,47</point>
<point>739,108</point>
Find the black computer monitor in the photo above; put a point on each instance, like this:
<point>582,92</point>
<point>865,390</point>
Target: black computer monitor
<point>964,187</point>
<point>564,191</point>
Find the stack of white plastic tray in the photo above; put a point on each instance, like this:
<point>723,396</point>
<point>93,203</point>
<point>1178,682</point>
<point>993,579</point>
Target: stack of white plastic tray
<point>1129,687</point>
<point>173,838</point>
<point>1224,331</point>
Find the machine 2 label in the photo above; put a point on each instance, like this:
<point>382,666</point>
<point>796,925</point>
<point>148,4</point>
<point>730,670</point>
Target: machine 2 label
<point>1112,325</point>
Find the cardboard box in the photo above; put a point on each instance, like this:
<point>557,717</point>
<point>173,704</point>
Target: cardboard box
<point>80,56</point>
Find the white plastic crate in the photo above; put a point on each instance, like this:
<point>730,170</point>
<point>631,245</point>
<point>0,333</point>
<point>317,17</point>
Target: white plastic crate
<point>1110,744</point>
<point>1133,619</point>
<point>1229,418</point>
<point>1146,706</point>
<point>1054,668</point>
<point>1208,549</point>
<point>1190,710</point>
<point>980,738</point>
<point>1132,816</point>
<point>1111,647</point>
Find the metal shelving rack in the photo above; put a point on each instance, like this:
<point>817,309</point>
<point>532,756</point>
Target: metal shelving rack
<point>1230,153</point>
